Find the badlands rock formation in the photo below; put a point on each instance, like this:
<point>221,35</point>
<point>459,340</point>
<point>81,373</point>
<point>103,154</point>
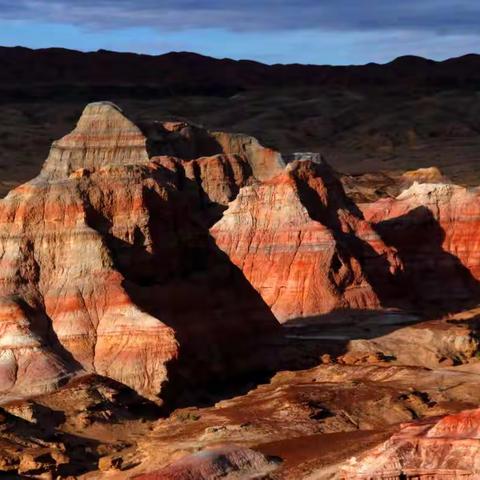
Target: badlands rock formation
<point>314,420</point>
<point>224,461</point>
<point>154,263</point>
<point>434,227</point>
<point>98,254</point>
<point>189,142</point>
<point>304,246</point>
<point>447,447</point>
<point>61,293</point>
<point>115,239</point>
<point>217,163</point>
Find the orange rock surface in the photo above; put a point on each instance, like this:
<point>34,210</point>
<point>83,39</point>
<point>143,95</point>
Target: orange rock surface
<point>434,227</point>
<point>98,254</point>
<point>436,448</point>
<point>304,246</point>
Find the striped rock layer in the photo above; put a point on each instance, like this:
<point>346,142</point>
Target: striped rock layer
<point>304,246</point>
<point>437,448</point>
<point>435,229</point>
<point>308,250</point>
<point>104,268</point>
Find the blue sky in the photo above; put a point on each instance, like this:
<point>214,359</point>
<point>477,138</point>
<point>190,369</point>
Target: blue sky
<point>272,31</point>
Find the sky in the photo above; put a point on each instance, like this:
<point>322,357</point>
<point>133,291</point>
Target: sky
<point>338,32</point>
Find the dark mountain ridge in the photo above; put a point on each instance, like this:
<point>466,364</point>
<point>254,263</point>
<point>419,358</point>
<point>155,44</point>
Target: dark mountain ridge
<point>185,72</point>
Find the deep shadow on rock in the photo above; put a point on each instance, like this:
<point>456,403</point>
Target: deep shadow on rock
<point>223,326</point>
<point>432,278</point>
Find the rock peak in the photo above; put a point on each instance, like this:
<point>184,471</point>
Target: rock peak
<point>102,105</point>
<point>103,136</point>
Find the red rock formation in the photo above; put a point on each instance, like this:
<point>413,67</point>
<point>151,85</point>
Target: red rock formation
<point>217,163</point>
<point>103,136</point>
<point>303,245</point>
<point>434,228</point>
<point>98,256</point>
<point>436,448</point>
<point>218,178</point>
<point>58,274</point>
<point>265,162</point>
<point>108,266</point>
<point>224,461</point>
<point>189,142</point>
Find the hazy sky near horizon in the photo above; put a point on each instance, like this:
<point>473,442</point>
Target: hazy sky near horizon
<point>270,31</point>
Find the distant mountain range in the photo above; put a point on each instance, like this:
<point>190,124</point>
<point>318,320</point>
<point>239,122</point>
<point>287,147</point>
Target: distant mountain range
<point>183,72</point>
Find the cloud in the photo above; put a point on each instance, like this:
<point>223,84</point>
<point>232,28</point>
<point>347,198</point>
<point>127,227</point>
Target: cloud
<point>438,16</point>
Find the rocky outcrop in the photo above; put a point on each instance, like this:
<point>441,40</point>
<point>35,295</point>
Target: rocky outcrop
<point>436,448</point>
<point>154,259</point>
<point>58,275</point>
<point>265,162</point>
<point>445,342</point>
<point>304,246</point>
<point>371,186</point>
<point>434,229</point>
<point>217,164</point>
<point>189,142</point>
<point>313,419</point>
<point>98,255</point>
<point>214,181</point>
<point>224,461</point>
<point>26,450</point>
<point>103,136</point>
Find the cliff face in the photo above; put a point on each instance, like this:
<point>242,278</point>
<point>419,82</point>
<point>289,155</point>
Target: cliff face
<point>437,448</point>
<point>189,142</point>
<point>434,227</point>
<point>98,255</point>
<point>58,274</point>
<point>103,136</point>
<point>304,246</point>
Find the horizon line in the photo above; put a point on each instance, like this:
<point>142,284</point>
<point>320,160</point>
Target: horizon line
<point>187,52</point>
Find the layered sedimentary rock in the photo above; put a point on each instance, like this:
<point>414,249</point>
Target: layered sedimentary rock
<point>103,136</point>
<point>189,142</point>
<point>436,448</point>
<point>116,263</point>
<point>218,164</point>
<point>304,246</point>
<point>265,162</point>
<point>223,461</point>
<point>434,228</point>
<point>216,179</point>
<point>313,420</point>
<point>98,255</point>
<point>58,273</point>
